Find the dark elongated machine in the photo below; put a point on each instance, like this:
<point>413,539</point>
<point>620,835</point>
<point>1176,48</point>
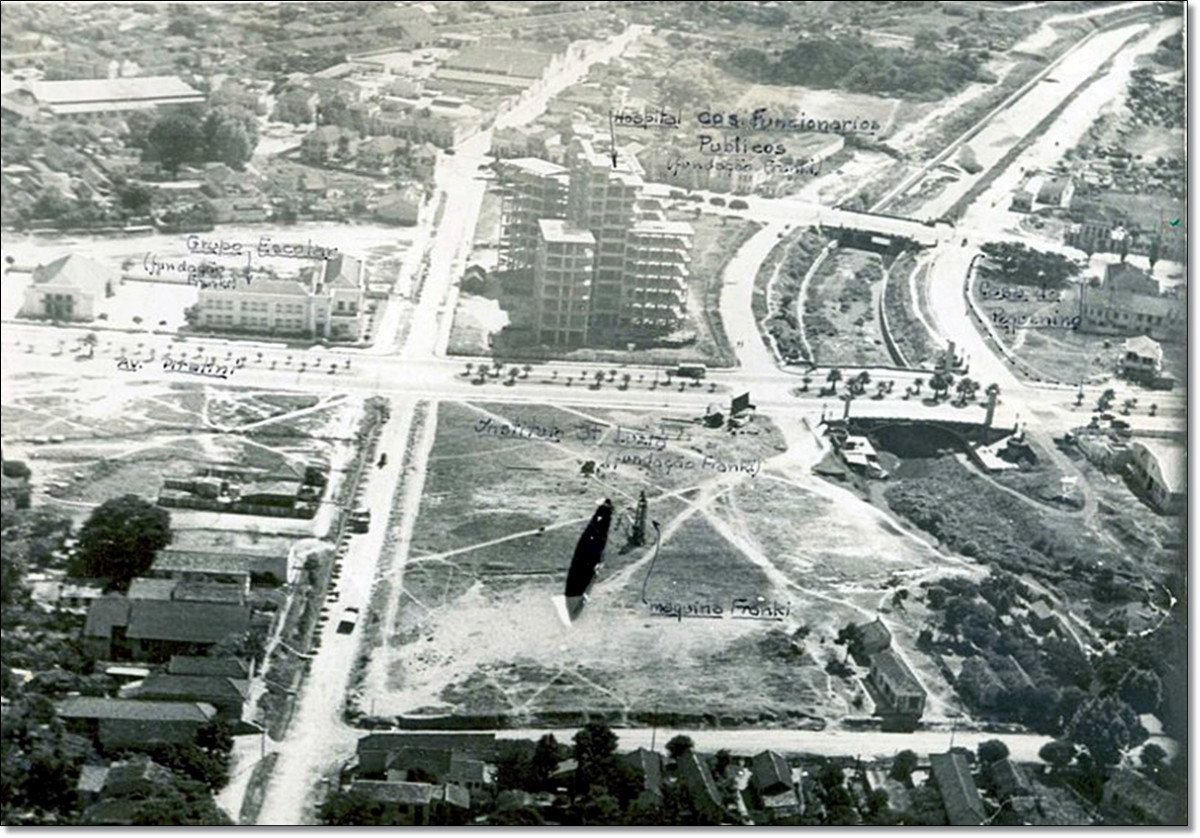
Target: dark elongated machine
<point>589,553</point>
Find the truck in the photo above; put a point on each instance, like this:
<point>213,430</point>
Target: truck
<point>348,620</point>
<point>695,371</point>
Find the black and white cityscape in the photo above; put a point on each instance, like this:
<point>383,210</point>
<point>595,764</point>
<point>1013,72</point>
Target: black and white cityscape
<point>635,413</point>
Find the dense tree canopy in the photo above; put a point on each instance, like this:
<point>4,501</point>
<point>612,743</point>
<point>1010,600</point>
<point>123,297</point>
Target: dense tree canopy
<point>120,538</point>
<point>856,65</point>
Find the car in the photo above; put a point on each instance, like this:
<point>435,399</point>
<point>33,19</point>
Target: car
<point>738,204</point>
<point>717,201</point>
<point>348,621</point>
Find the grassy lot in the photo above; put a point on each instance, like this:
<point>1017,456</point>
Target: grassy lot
<point>946,499</point>
<point>839,311</point>
<point>908,333</point>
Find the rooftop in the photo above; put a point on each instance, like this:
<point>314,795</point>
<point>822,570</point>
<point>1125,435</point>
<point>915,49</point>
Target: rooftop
<point>1172,462</point>
<point>201,561</point>
<point>897,673</point>
<point>964,806</point>
<point>86,707</point>
<point>75,271</point>
<point>99,94</point>
<point>195,665</point>
<point>186,622</point>
<point>556,230</point>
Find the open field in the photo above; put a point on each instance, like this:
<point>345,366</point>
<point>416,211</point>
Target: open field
<point>93,440</point>
<point>840,310</point>
<point>731,620</point>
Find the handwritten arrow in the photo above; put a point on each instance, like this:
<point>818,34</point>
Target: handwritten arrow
<point>612,133</point>
<point>657,544</point>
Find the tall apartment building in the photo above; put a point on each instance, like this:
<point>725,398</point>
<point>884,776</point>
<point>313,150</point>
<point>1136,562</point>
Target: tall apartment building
<point>534,189</point>
<point>563,282</point>
<point>658,258</point>
<point>637,279</point>
<point>325,301</point>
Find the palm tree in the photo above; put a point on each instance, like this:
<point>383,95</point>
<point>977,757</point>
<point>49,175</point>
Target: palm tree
<point>920,382</point>
<point>965,390</point>
<point>941,383</point>
<point>470,367</point>
<point>625,379</point>
<point>835,375</point>
<point>1153,410</point>
<point>612,375</point>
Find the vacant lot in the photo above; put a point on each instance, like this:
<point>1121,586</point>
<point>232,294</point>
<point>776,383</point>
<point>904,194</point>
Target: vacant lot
<point>94,440</point>
<point>840,310</point>
<point>727,612</point>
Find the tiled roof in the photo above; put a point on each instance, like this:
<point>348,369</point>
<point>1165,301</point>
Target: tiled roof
<point>75,271</point>
<point>771,772</point>
<point>480,745</point>
<point>195,665</point>
<point>698,778</point>
<point>387,791</point>
<point>964,806</point>
<point>897,673</point>
<point>196,561</point>
<point>105,613</point>
<point>186,622</point>
<point>208,688</point>
<point>144,588</point>
<point>343,271</point>
<point>87,707</point>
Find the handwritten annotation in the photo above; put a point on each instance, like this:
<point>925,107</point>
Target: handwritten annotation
<point>742,608</point>
<point>265,248</point>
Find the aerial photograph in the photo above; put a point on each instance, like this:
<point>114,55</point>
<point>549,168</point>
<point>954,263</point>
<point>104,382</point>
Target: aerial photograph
<point>638,413</point>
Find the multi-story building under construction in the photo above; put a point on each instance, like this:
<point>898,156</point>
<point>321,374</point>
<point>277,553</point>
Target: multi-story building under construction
<point>636,282</point>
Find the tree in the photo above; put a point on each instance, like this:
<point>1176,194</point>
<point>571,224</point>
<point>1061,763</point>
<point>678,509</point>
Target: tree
<point>1106,399</point>
<point>940,383</point>
<point>1142,688</point>
<point>545,759</point>
<point>993,750</point>
<point>595,754</point>
<point>294,107</point>
<point>1106,727</point>
<point>119,539</point>
<point>350,809</point>
<point>1058,753</point>
<point>599,808</point>
<point>174,140</point>
<point>519,816</point>
<point>903,766</point>
<point>1153,757</point>
<point>722,762</point>
<point>679,745</point>
<point>835,375</point>
<point>227,140</point>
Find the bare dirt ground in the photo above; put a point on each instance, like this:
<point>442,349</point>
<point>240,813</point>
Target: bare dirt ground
<point>92,440</point>
<point>733,622</point>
